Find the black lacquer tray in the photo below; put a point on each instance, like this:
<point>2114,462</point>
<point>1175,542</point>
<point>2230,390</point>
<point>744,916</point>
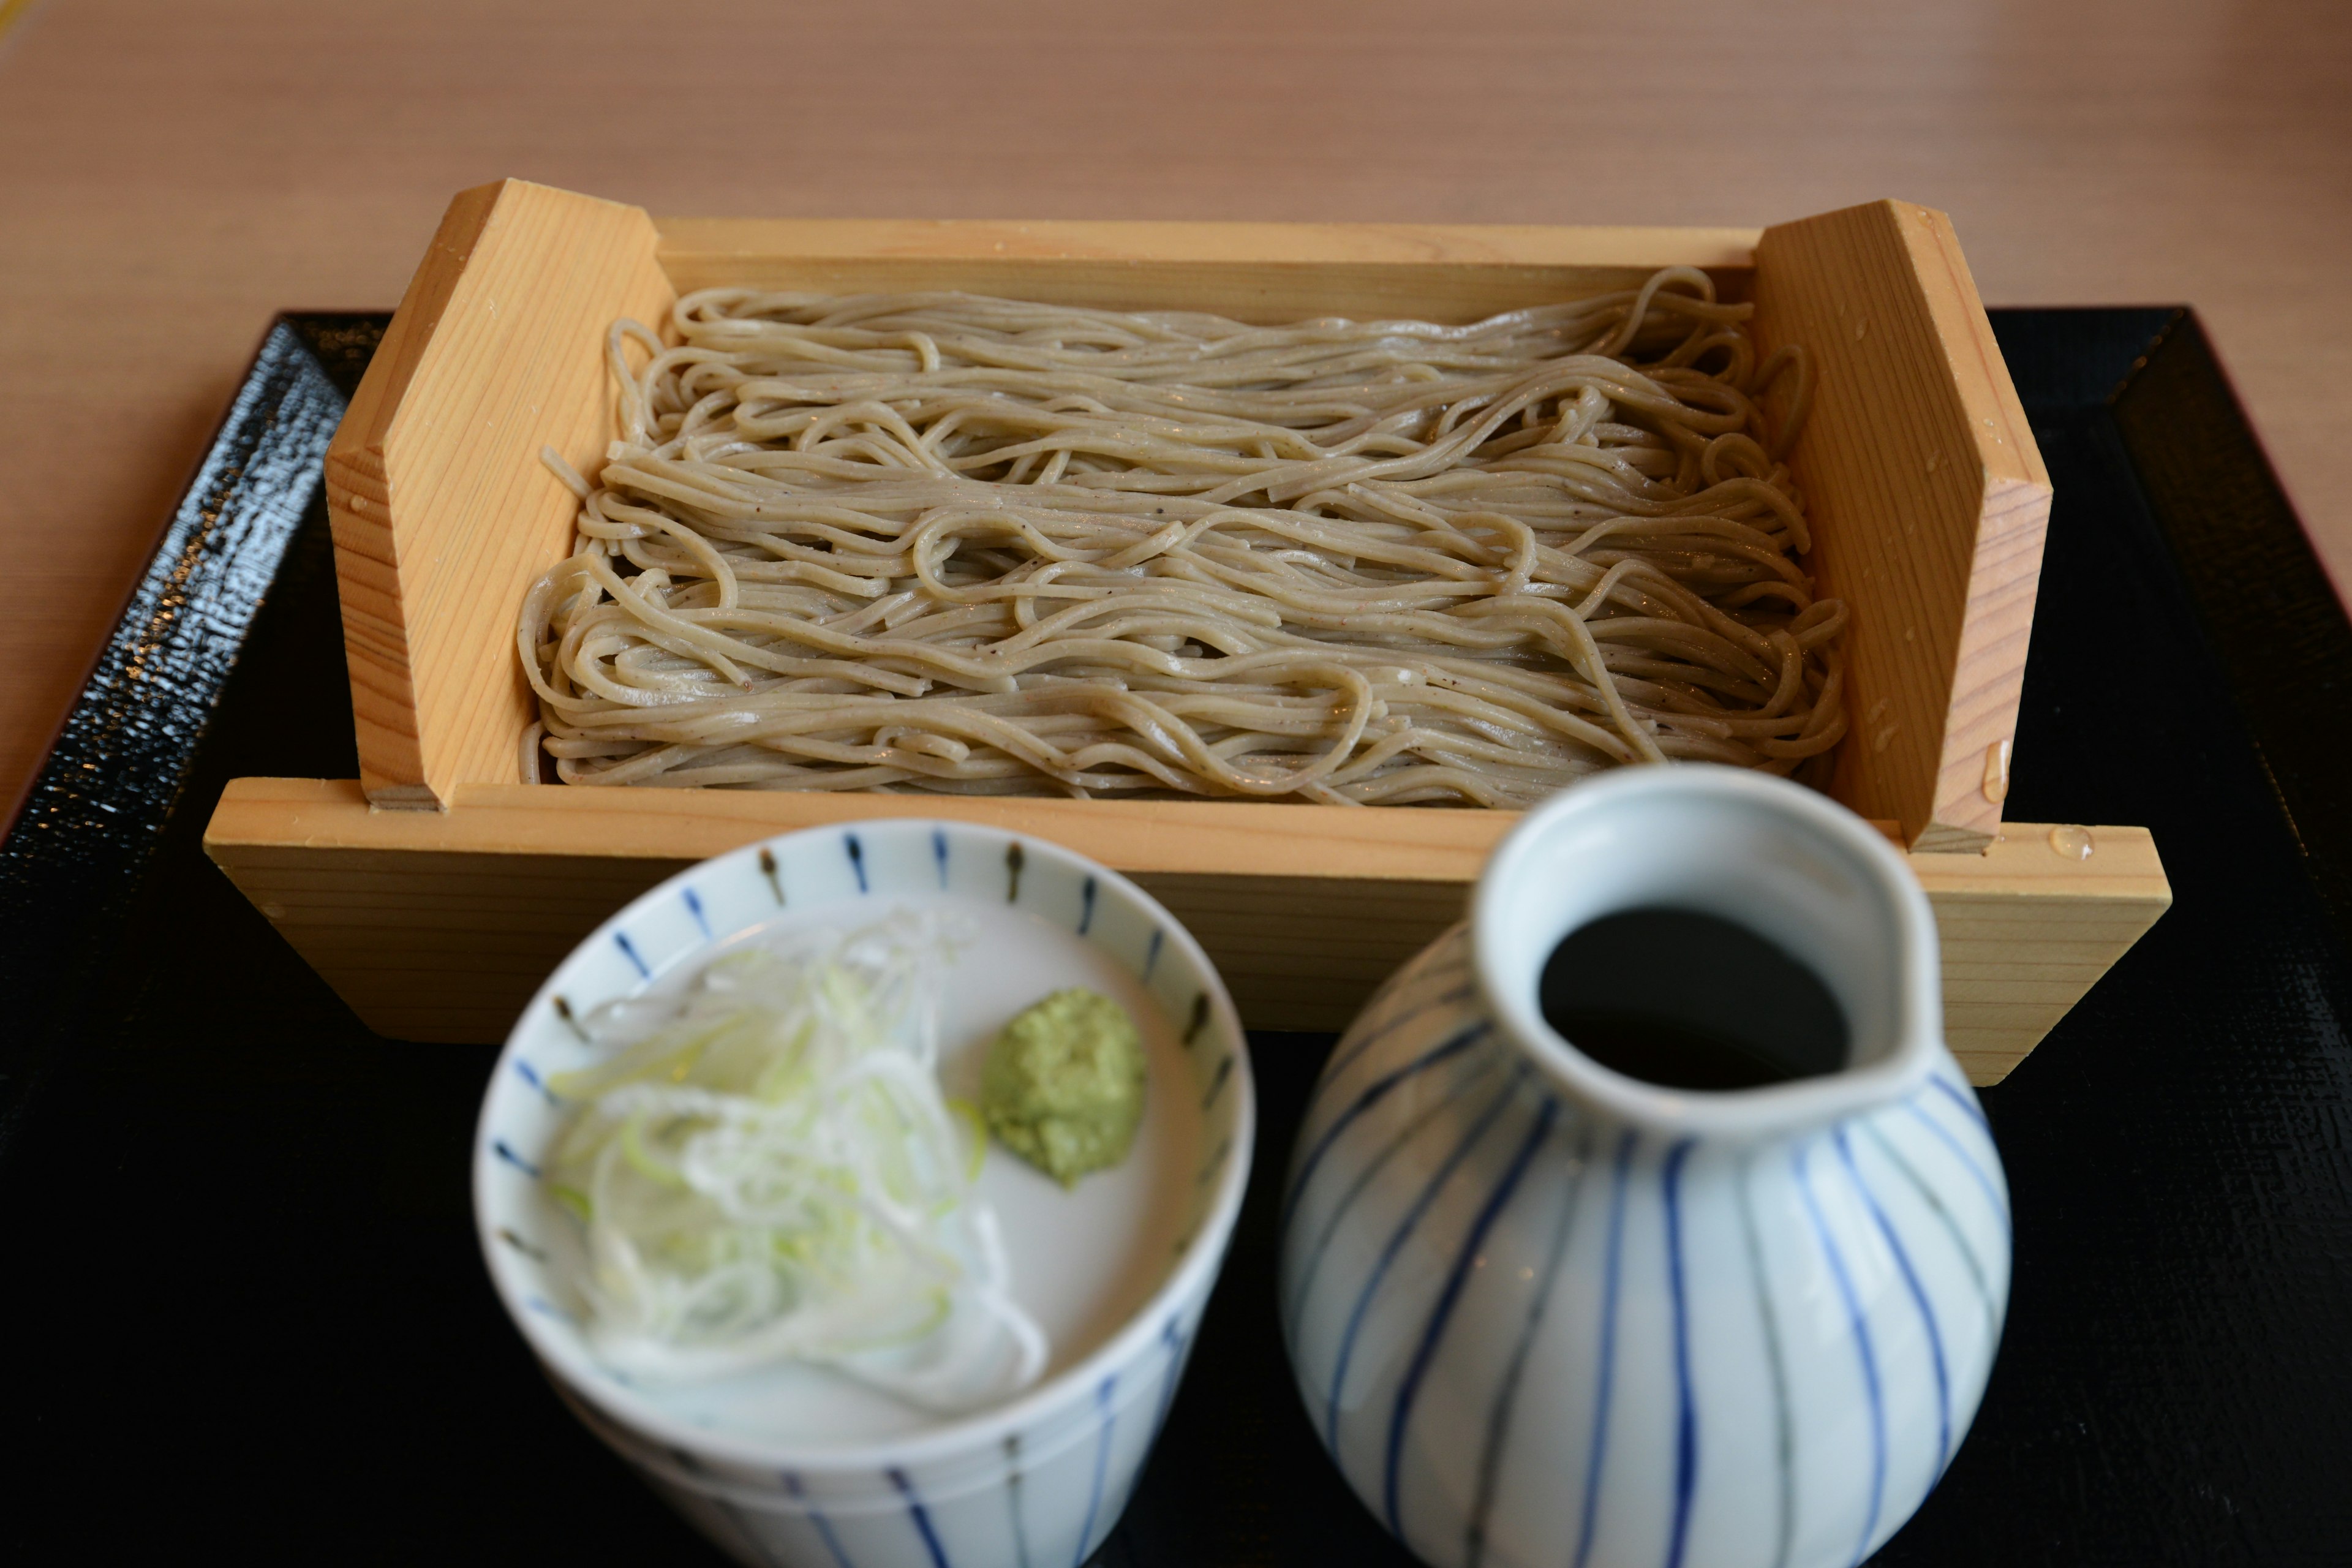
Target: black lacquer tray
<point>242,1310</point>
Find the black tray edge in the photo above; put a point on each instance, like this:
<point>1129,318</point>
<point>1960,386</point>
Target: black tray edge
<point>96,807</point>
<point>2266,605</point>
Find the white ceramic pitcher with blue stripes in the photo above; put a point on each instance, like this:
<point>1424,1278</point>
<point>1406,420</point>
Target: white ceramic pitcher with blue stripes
<point>1542,1312</point>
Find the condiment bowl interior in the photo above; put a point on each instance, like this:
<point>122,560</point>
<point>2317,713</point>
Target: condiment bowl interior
<point>1108,1266</point>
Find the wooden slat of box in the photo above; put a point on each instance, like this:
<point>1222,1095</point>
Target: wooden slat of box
<point>441,507</point>
<point>1931,502</point>
<point>1928,500</point>
<point>439,927</point>
<point>1262,272</point>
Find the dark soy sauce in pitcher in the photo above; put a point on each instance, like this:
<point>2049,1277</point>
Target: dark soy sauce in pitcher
<point>1686,1000</point>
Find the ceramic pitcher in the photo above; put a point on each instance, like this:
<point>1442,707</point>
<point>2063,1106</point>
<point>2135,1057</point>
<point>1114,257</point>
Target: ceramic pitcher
<point>1542,1312</point>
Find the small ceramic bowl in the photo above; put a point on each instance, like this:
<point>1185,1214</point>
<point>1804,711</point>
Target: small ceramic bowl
<point>795,1465</point>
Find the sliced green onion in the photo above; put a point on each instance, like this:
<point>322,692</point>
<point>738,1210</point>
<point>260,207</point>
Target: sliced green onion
<point>768,1171</point>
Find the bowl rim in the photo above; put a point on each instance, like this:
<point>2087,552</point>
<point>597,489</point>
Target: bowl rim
<point>962,1437</point>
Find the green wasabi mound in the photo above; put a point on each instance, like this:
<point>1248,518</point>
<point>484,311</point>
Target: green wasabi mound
<point>1063,1087</point>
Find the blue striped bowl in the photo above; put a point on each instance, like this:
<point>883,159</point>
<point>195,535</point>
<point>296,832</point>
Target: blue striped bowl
<point>1037,1482</point>
<point>1543,1313</point>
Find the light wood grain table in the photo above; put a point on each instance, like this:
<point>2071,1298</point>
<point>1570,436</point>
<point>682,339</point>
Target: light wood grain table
<point>170,174</point>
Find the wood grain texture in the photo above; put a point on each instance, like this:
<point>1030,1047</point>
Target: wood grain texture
<point>439,926</point>
<point>1179,836</point>
<point>172,174</point>
<point>359,508</point>
<point>1929,503</point>
<point>443,510</point>
<point>1268,272</point>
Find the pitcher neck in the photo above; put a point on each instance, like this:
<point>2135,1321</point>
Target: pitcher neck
<point>1789,863</point>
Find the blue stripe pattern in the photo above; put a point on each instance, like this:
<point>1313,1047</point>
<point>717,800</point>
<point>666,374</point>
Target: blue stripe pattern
<point>1013,1498</point>
<point>1353,1048</point>
<point>857,859</point>
<point>1597,1454</point>
<point>693,908</point>
<point>1918,1299</point>
<point>1863,1348</point>
<point>530,1075</point>
<point>1685,1404</point>
<point>1768,1319</point>
<point>1307,1272</point>
<point>1172,1334</point>
<point>1505,1400</point>
<point>1993,1194</point>
<point>1442,1313</point>
<point>921,1517</point>
<point>1086,905</point>
<point>940,856</point>
<point>1217,1082</point>
<point>1943,1212</point>
<point>630,948</point>
<point>1397,1238</point>
<point>1379,1089</point>
<point>1102,1463</point>
<point>816,1517</point>
<point>1964,1100</point>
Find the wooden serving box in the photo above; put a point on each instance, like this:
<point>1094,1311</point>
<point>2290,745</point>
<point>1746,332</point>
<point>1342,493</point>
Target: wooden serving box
<point>434,891</point>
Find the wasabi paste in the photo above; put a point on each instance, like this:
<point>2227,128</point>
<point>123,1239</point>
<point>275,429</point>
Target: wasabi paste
<point>1063,1087</point>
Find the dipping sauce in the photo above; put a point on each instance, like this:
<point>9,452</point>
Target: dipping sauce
<point>1686,1000</point>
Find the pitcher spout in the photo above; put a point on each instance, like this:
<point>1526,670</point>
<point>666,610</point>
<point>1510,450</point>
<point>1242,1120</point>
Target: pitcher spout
<point>1720,847</point>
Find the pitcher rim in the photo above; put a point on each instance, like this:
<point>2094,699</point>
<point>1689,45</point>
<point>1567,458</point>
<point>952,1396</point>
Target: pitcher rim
<point>1781,1108</point>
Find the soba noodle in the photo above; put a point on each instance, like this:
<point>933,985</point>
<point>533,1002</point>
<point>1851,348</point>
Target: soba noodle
<point>939,542</point>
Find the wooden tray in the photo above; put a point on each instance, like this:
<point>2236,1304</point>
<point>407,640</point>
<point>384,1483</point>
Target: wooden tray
<point>435,891</point>
<point>2182,1183</point>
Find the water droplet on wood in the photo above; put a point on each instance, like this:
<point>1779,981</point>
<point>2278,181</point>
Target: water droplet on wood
<point>2074,843</point>
<point>1996,773</point>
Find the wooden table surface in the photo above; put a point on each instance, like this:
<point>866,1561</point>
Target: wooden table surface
<point>171,173</point>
